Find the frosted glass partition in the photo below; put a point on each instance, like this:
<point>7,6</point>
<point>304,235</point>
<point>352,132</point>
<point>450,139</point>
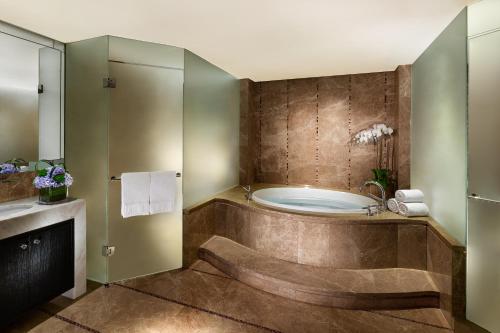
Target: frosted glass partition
<point>483,229</point>
<point>211,129</point>
<point>150,54</point>
<point>87,105</point>
<point>439,126</point>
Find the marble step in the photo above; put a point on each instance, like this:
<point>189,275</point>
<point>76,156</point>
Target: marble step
<point>391,288</point>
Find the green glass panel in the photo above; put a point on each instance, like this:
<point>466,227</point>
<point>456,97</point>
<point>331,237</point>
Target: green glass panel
<point>211,129</point>
<point>86,149</point>
<point>439,126</point>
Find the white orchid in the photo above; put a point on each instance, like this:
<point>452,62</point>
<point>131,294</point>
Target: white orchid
<point>372,134</point>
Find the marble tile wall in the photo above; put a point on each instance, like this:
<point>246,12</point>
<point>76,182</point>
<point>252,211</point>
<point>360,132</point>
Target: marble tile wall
<point>403,86</point>
<point>17,186</point>
<point>272,122</point>
<point>247,131</point>
<point>448,267</point>
<point>302,128</point>
<point>412,246</point>
<point>324,244</point>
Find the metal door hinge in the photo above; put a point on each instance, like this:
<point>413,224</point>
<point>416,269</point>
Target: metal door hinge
<point>108,82</point>
<point>108,251</point>
<point>40,88</point>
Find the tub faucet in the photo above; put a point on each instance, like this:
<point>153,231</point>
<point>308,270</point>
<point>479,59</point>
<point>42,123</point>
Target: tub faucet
<point>248,190</point>
<point>382,201</point>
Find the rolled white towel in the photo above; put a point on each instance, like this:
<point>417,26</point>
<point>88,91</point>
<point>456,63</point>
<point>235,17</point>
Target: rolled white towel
<point>411,209</point>
<point>409,196</point>
<point>393,205</point>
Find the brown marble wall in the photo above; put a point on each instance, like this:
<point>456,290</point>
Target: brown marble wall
<point>403,86</point>
<point>197,228</point>
<point>17,186</point>
<point>302,128</point>
<point>247,131</point>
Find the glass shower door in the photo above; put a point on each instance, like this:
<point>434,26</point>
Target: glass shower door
<point>483,233</point>
<point>145,134</point>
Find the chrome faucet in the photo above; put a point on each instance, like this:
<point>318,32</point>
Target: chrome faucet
<point>248,190</point>
<point>381,200</point>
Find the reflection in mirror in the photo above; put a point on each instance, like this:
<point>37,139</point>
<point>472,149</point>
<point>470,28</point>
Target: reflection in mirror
<point>30,100</point>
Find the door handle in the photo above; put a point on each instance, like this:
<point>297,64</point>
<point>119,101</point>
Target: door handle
<point>23,247</point>
<point>36,241</point>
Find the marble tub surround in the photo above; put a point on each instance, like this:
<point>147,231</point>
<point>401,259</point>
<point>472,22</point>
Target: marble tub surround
<point>392,288</point>
<point>202,299</point>
<point>39,216</point>
<point>337,241</point>
<point>17,186</point>
<point>298,131</point>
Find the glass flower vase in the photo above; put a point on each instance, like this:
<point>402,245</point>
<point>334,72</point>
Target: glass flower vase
<point>52,195</point>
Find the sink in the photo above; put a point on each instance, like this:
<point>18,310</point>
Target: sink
<point>14,209</point>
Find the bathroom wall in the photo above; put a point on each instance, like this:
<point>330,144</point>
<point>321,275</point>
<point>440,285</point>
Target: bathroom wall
<point>211,129</point>
<point>439,126</point>
<point>299,131</point>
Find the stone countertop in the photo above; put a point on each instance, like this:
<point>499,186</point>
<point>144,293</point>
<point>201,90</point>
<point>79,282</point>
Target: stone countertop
<point>37,216</point>
<point>236,195</point>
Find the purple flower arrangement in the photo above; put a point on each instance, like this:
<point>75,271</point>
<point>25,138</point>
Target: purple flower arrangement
<point>53,177</point>
<point>8,168</point>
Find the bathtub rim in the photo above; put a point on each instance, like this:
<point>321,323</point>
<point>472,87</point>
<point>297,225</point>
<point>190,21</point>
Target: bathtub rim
<point>326,212</point>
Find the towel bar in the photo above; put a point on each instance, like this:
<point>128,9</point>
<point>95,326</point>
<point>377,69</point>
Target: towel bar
<point>113,178</point>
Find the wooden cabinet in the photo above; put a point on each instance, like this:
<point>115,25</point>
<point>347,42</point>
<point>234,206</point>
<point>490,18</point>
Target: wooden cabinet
<point>35,267</point>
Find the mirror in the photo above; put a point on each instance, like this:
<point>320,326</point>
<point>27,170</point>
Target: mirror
<point>31,105</point>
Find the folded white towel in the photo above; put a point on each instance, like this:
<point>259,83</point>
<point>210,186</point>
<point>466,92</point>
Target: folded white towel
<point>410,209</point>
<point>393,205</point>
<point>135,193</point>
<point>163,192</point>
<point>409,196</point>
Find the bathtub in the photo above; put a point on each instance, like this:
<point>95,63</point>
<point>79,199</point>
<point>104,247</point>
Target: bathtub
<point>312,200</point>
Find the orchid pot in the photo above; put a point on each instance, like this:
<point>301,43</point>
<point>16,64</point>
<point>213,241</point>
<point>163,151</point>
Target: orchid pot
<point>381,137</point>
<point>382,177</point>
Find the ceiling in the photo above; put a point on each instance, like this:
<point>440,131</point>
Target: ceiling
<point>257,39</point>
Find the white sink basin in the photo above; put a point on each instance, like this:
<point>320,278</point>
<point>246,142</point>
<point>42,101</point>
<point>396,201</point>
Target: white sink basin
<point>14,209</point>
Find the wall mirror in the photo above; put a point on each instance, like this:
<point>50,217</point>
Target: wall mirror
<point>31,97</point>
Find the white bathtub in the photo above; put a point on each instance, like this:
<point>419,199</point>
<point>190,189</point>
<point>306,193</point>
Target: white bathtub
<point>303,199</point>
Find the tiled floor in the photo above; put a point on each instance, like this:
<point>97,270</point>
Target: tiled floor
<point>201,299</point>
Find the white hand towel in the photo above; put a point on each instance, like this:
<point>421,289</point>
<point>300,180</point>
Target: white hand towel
<point>409,196</point>
<point>163,192</point>
<point>411,209</point>
<point>393,205</point>
<point>135,193</point>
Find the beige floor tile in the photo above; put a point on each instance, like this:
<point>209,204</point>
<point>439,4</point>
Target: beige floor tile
<point>203,300</point>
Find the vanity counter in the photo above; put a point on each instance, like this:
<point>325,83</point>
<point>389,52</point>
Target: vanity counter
<point>39,216</point>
